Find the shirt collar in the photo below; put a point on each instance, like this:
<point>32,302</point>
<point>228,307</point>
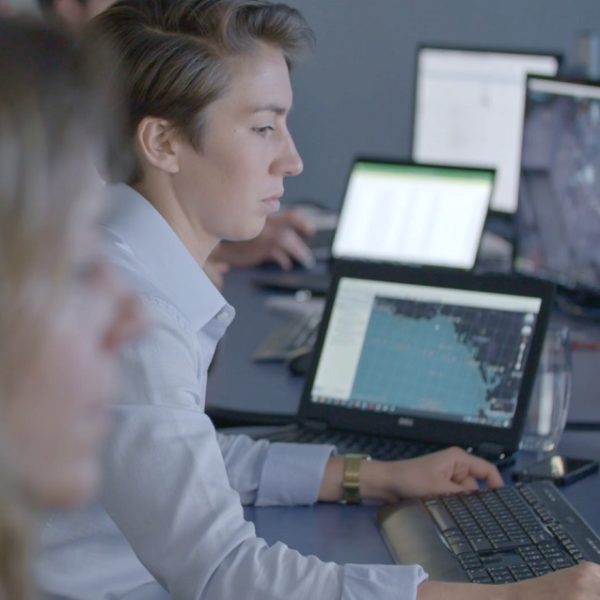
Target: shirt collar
<point>173,269</point>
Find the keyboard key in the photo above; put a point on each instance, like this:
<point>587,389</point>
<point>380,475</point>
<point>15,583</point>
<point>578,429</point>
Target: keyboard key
<point>480,544</point>
<point>461,548</point>
<point>477,575</point>
<point>501,575</point>
<point>561,562</point>
<point>470,561</point>
<point>521,572</point>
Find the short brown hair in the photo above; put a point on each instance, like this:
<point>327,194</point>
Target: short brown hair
<point>172,55</point>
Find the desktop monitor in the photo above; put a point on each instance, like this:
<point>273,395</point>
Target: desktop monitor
<point>469,108</point>
<point>413,213</point>
<point>558,221</point>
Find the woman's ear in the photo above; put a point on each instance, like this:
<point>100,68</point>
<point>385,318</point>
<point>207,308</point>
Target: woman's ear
<point>156,144</point>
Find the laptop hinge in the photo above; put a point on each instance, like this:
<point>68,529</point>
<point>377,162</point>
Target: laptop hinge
<point>312,424</point>
<point>490,450</point>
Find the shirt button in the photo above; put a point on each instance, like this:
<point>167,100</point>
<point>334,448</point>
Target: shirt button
<point>225,315</point>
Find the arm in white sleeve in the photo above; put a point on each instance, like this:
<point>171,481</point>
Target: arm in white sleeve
<point>262,473</point>
<point>168,492</point>
<point>167,489</point>
<point>269,474</point>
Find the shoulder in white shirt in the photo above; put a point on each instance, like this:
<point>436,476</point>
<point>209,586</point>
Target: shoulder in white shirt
<point>170,521</point>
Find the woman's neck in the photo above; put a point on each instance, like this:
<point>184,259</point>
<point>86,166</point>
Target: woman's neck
<point>160,193</point>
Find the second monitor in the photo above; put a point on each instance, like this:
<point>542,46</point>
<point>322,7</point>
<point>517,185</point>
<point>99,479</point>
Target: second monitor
<point>469,110</point>
<point>413,214</point>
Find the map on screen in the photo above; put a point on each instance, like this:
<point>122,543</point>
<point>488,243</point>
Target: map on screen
<point>446,359</point>
<point>422,351</point>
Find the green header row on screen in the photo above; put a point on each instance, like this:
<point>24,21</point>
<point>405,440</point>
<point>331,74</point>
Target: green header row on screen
<point>423,171</point>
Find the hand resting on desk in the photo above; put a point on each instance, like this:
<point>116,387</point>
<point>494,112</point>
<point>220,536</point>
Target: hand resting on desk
<point>449,471</point>
<point>282,241</point>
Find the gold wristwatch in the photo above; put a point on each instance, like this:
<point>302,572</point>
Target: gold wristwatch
<point>351,479</point>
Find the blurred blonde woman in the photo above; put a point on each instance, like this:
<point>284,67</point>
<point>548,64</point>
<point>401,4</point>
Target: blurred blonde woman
<point>63,315</point>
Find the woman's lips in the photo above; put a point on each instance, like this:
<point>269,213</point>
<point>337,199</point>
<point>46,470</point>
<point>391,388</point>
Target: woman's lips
<point>273,202</point>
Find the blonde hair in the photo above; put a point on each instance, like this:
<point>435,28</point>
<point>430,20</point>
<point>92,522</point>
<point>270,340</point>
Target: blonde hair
<point>16,524</point>
<point>48,111</point>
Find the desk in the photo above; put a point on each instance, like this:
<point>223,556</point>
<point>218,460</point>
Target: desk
<point>348,533</point>
<point>235,382</point>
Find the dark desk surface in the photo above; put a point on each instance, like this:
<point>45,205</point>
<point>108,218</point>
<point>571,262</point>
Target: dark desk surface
<point>266,387</point>
<point>349,533</point>
<point>274,390</point>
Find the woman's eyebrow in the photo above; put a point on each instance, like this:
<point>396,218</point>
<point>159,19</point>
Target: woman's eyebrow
<point>274,108</point>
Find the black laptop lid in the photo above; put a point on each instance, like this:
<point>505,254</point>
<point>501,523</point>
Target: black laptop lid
<point>430,354</point>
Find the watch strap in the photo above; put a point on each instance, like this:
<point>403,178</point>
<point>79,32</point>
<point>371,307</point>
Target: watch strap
<point>351,477</point>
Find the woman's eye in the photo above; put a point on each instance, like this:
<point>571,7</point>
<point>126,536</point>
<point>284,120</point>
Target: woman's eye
<point>264,130</point>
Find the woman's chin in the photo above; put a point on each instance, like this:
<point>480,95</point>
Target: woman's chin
<point>248,232</point>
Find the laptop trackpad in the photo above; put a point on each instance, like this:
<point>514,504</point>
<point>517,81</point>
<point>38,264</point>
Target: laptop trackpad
<point>413,537</point>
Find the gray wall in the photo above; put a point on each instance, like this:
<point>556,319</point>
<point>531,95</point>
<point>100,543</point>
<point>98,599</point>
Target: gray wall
<point>355,94</point>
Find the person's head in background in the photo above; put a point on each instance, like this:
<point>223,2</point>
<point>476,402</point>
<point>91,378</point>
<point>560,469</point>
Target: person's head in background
<point>63,314</point>
<point>207,94</point>
<point>6,9</point>
<point>73,14</point>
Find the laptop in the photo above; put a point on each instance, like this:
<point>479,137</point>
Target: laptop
<point>396,212</point>
<point>468,110</point>
<point>402,212</point>
<point>558,221</point>
<point>408,360</point>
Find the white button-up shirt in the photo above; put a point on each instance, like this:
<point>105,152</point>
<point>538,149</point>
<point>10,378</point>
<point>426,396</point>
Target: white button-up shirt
<point>169,523</point>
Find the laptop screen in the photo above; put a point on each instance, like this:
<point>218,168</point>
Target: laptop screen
<point>469,108</point>
<point>558,221</point>
<point>409,213</point>
<point>421,351</point>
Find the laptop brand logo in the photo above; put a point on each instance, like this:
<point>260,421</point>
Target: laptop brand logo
<point>406,422</point>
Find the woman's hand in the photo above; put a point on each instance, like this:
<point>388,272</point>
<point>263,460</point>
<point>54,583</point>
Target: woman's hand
<point>282,241</point>
<point>449,471</point>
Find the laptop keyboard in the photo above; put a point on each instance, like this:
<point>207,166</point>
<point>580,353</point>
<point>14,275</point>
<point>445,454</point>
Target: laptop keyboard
<point>508,534</point>
<point>377,447</point>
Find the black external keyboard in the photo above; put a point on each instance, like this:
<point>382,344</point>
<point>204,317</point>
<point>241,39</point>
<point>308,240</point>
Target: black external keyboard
<point>377,447</point>
<point>513,533</point>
